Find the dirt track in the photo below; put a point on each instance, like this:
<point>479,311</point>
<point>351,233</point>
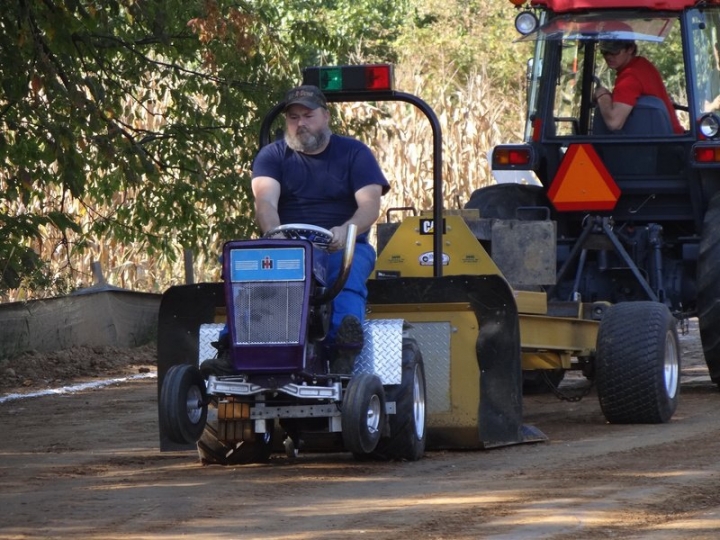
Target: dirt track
<point>87,465</point>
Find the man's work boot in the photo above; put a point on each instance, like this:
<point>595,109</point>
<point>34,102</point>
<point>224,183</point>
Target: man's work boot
<point>219,366</point>
<point>348,344</point>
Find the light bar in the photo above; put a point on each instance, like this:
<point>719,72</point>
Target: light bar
<point>338,79</point>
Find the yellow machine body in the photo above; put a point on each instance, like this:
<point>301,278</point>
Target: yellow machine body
<point>476,333</point>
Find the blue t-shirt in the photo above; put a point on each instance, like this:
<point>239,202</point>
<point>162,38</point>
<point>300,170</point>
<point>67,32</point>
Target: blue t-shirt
<point>320,189</point>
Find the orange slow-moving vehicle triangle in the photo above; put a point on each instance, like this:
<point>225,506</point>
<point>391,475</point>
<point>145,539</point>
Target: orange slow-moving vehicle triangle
<point>583,182</point>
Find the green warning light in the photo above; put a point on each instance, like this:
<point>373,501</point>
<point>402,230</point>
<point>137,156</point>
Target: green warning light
<point>331,80</point>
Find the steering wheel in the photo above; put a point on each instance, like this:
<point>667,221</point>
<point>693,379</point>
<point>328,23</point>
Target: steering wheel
<point>301,231</point>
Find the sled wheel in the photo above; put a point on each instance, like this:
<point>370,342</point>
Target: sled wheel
<point>407,425</point>
<point>245,447</point>
<point>363,413</point>
<point>183,404</point>
<point>708,295</point>
<point>638,363</point>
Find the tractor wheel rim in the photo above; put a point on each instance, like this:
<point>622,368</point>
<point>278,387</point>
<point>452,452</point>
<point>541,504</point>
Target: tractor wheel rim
<point>418,403</point>
<point>193,404</point>
<point>373,414</point>
<point>671,367</point>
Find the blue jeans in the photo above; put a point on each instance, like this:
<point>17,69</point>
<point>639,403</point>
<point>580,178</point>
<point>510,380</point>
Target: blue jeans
<point>351,300</point>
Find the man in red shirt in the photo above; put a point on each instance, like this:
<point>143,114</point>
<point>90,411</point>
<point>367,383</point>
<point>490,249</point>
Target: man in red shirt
<point>636,76</point>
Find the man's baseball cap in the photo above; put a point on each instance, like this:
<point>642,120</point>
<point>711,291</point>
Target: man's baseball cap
<point>308,96</point>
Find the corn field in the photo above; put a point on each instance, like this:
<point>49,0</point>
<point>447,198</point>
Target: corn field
<point>473,119</point>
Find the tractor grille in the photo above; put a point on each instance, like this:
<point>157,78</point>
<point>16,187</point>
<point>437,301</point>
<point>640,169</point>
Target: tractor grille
<point>268,312</point>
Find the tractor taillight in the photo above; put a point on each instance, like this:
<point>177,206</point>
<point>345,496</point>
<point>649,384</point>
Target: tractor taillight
<point>511,156</point>
<point>707,154</point>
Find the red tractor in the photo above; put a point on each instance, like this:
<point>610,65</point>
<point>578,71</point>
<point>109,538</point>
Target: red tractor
<point>636,210</point>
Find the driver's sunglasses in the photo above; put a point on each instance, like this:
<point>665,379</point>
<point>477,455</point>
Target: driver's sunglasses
<point>608,53</point>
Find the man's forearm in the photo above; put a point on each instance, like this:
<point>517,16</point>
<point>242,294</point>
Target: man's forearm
<point>266,216</point>
<point>364,218</point>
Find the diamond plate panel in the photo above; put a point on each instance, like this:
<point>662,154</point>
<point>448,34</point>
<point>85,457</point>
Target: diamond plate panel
<point>433,338</point>
<point>208,334</point>
<point>382,353</point>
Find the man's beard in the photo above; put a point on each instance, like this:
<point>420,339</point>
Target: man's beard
<point>306,141</point>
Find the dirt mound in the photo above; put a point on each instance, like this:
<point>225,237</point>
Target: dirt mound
<point>33,369</point>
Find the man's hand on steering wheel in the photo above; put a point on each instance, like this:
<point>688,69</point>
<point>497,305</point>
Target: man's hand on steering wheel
<point>339,238</point>
<point>600,90</point>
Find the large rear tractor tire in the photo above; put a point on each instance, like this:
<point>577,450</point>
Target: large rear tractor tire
<point>408,424</point>
<point>638,363</point>
<point>708,294</point>
<point>363,414</point>
<point>250,448</point>
<point>183,404</point>
<point>501,201</point>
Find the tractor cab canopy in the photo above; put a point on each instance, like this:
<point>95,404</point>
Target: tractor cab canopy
<point>567,64</point>
<point>602,26</point>
<point>564,6</point>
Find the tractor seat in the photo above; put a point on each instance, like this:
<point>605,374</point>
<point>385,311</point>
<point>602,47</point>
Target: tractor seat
<point>649,116</point>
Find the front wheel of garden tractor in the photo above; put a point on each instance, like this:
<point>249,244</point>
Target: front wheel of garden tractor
<point>183,404</point>
<point>363,413</point>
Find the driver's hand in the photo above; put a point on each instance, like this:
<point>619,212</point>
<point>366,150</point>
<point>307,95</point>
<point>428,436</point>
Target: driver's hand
<point>599,92</point>
<point>339,238</point>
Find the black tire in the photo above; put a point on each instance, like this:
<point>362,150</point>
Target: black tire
<point>183,404</point>
<point>708,294</point>
<point>253,448</point>
<point>363,413</point>
<point>501,201</point>
<point>638,363</point>
<point>408,426</point>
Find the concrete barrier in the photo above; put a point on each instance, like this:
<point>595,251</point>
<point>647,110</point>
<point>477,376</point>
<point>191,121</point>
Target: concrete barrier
<point>96,316</point>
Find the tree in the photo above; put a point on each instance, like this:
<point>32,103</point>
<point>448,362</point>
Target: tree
<point>135,121</point>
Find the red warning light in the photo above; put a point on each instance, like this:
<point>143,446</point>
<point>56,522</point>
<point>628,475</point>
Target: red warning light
<point>379,77</point>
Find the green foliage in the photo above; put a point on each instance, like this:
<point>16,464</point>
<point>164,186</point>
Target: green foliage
<point>136,121</point>
<point>467,37</point>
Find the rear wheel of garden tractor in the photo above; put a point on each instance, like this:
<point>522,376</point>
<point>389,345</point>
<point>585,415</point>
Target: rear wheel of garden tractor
<point>638,363</point>
<point>246,446</point>
<point>408,424</point>
<point>183,404</point>
<point>363,413</point>
<point>708,294</point>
